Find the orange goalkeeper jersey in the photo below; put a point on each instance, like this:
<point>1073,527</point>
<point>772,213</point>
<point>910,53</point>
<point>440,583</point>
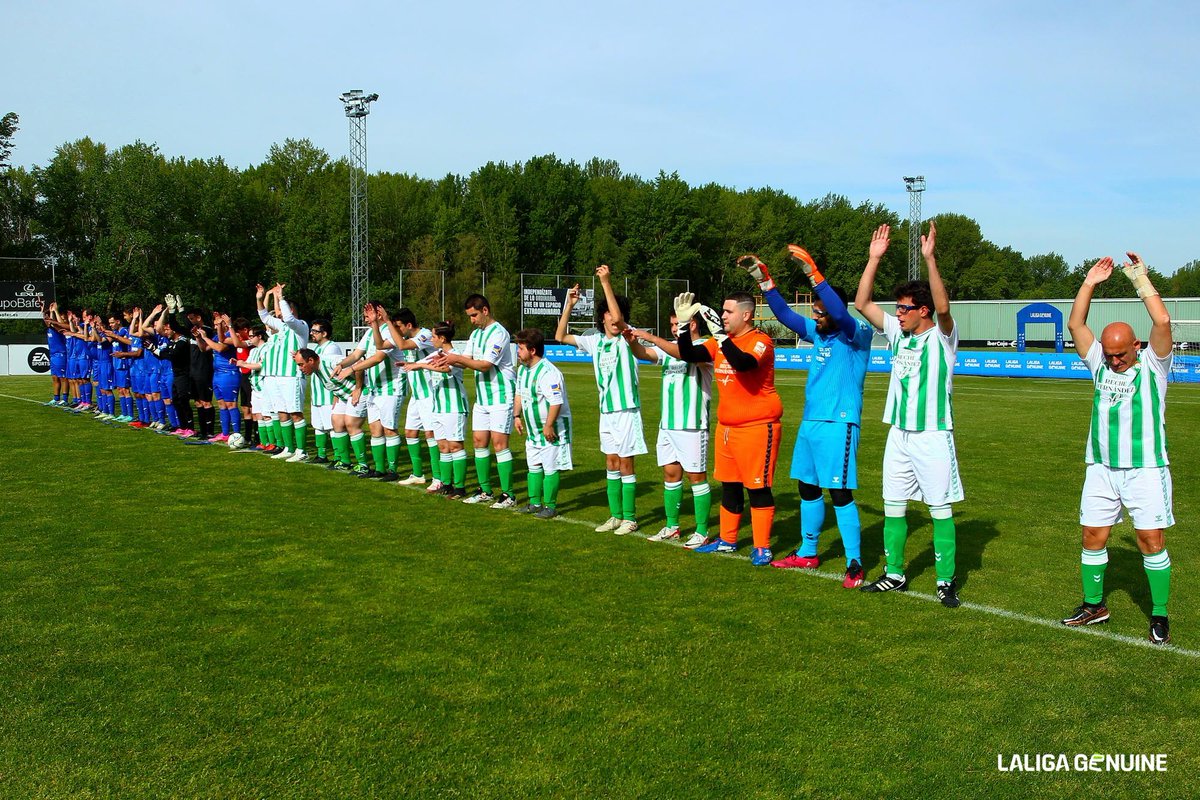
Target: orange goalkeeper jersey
<point>746,398</point>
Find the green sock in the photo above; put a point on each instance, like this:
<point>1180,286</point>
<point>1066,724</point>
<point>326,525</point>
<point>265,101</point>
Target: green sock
<point>628,496</point>
<point>379,453</point>
<point>483,468</point>
<point>277,432</point>
<point>266,432</point>
<point>614,493</point>
<point>702,500</point>
<point>895,536</point>
<point>359,442</point>
<point>414,455</point>
<point>672,499</point>
<point>550,491</point>
<point>1091,572</point>
<point>435,459</point>
<point>460,469</point>
<point>504,467</point>
<point>300,434</point>
<point>943,543</point>
<point>1158,572</point>
<point>322,443</point>
<point>392,446</point>
<point>535,480</point>
<point>341,447</point>
<point>285,433</point>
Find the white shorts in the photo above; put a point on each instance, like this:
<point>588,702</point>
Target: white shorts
<point>343,408</point>
<point>497,419</point>
<point>419,416</point>
<point>258,402</point>
<point>450,427</point>
<point>321,417</point>
<point>621,433</point>
<point>384,409</point>
<point>285,394</point>
<point>552,458</point>
<point>689,448</point>
<point>921,465</point>
<point>1146,491</point>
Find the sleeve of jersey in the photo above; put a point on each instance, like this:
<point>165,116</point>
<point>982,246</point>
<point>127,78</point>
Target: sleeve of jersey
<point>863,334</point>
<point>268,320</point>
<point>494,350</point>
<point>586,343</point>
<point>836,309</point>
<point>739,359</point>
<point>550,386</point>
<point>950,339</point>
<point>1094,358</point>
<point>891,328</point>
<point>784,313</point>
<point>1157,364</point>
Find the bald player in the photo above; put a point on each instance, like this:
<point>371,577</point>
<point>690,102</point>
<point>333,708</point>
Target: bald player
<point>1126,451</point>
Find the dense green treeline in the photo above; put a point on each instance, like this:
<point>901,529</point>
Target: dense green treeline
<point>127,225</point>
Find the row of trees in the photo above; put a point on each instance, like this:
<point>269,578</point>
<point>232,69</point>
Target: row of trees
<point>127,225</point>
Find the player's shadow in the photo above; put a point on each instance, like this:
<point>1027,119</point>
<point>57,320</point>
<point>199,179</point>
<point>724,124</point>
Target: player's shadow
<point>786,534</point>
<point>1127,574</point>
<point>583,490</point>
<point>971,536</point>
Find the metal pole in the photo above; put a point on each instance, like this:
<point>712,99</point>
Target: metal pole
<point>357,106</point>
<point>914,187</point>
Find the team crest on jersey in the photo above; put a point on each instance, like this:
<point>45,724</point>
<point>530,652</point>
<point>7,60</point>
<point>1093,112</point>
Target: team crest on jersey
<point>906,363</point>
<point>760,348</point>
<point>496,348</point>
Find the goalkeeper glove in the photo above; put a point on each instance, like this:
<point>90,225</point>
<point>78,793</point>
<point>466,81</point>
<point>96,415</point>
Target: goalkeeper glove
<point>1137,274</point>
<point>685,308</point>
<point>170,303</point>
<point>756,269</point>
<point>178,304</point>
<point>806,261</point>
<point>713,320</point>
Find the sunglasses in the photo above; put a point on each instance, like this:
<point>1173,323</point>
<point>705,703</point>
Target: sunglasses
<point>904,308</point>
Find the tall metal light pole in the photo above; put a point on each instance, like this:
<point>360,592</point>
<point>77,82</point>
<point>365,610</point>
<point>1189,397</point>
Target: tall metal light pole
<point>914,186</point>
<point>358,105</point>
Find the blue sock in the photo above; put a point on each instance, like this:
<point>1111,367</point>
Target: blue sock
<point>235,420</point>
<point>812,517</point>
<point>172,416</point>
<point>225,421</point>
<point>127,406</point>
<point>85,392</point>
<point>143,410</point>
<point>851,530</point>
<point>160,414</point>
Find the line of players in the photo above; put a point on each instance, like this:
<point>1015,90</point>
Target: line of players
<point>397,358</point>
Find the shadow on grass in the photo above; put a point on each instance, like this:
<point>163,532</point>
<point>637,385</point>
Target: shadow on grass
<point>972,536</point>
<point>1126,574</point>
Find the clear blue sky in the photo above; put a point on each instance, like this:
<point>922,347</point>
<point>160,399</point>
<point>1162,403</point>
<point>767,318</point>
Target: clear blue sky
<point>1067,127</point>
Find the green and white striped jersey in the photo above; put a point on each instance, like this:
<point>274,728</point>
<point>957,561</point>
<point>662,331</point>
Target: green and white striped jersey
<point>540,387</point>
<point>921,385</point>
<point>318,392</point>
<point>386,377</point>
<point>615,369</point>
<point>1129,411</point>
<point>686,392</point>
<point>327,367</point>
<point>278,361</point>
<point>495,386</point>
<point>418,379</point>
<point>256,376</point>
<point>446,388</point>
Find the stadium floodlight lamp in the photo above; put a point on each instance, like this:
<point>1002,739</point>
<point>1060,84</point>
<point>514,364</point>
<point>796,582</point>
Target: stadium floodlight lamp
<point>356,103</point>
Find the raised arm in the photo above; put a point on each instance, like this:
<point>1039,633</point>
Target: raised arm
<point>686,307</point>
<point>564,320</point>
<point>638,349</point>
<point>1081,334</point>
<point>866,284</point>
<point>1160,330</point>
<point>604,273</point>
<point>941,298</point>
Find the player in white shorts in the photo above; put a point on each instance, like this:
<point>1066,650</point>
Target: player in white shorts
<point>283,382</point>
<point>321,400</point>
<point>413,343</point>
<point>349,407</point>
<point>385,385</point>
<point>449,413</point>
<point>489,354</point>
<point>542,412</point>
<point>1126,455</point>
<point>682,428</point>
<point>919,461</point>
<point>260,408</point>
<point>616,374</point>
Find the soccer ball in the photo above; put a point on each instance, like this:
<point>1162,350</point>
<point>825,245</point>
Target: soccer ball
<point>236,441</point>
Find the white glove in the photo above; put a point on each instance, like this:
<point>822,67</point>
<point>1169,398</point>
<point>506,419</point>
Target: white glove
<point>178,304</point>
<point>170,304</point>
<point>756,269</point>
<point>713,320</point>
<point>685,308</point>
<point>1139,276</point>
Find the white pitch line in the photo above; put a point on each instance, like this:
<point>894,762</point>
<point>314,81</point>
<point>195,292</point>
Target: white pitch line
<point>25,399</point>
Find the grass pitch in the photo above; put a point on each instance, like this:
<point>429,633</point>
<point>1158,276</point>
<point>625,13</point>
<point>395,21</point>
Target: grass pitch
<point>184,622</point>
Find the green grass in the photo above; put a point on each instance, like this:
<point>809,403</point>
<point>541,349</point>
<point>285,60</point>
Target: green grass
<point>182,622</point>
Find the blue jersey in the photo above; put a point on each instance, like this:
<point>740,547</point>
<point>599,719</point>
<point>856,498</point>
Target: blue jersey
<point>56,341</point>
<point>117,347</point>
<point>221,362</point>
<point>75,347</point>
<point>149,360</point>
<point>833,391</point>
<point>103,350</point>
<point>88,347</point>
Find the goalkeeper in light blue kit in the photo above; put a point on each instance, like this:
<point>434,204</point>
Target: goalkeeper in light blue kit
<point>826,453</point>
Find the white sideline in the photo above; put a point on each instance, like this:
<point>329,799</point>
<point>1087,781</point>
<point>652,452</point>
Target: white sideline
<point>1053,624</point>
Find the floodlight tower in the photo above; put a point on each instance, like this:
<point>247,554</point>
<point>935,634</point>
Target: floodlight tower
<point>914,186</point>
<point>358,105</point>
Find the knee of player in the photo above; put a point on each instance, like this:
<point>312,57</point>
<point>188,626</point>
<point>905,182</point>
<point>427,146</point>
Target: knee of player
<point>761,498</point>
<point>841,497</point>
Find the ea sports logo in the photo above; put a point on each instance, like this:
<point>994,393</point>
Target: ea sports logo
<point>39,359</point>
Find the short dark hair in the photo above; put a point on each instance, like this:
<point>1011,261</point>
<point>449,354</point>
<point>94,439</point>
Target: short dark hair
<point>742,299</point>
<point>602,308</point>
<point>307,354</point>
<point>533,339</point>
<point>406,316</point>
<point>477,302</point>
<point>241,323</point>
<point>444,329</point>
<point>325,326</point>
<point>259,330</point>
<point>919,292</point>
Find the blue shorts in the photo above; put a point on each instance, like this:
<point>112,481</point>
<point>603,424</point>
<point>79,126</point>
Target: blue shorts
<point>58,365</point>
<point>166,385</point>
<point>826,455</point>
<point>138,380</point>
<point>104,375</point>
<point>120,378</point>
<point>225,385</point>
<point>77,368</point>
